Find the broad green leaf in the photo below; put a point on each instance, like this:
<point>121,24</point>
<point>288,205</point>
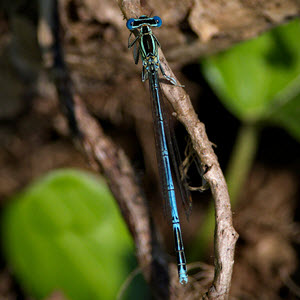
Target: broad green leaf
<point>253,77</point>
<point>287,114</point>
<point>65,233</point>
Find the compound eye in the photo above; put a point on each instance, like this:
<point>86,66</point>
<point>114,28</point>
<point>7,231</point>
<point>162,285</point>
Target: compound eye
<point>129,24</point>
<point>158,21</point>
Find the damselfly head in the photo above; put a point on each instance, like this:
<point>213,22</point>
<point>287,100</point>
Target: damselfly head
<point>143,21</point>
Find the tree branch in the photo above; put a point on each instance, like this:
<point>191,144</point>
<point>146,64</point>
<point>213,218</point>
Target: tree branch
<point>225,235</point>
<point>220,24</point>
<point>103,154</point>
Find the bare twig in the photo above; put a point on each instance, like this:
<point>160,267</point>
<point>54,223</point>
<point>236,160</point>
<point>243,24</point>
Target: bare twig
<point>225,235</point>
<point>103,154</point>
<point>112,161</point>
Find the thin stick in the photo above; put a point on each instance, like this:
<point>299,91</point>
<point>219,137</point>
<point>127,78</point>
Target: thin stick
<point>103,154</point>
<point>225,235</point>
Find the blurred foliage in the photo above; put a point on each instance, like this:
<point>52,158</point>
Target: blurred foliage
<point>66,233</point>
<point>259,80</point>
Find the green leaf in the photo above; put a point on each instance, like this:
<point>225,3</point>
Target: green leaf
<point>254,77</point>
<point>287,114</point>
<point>66,233</point>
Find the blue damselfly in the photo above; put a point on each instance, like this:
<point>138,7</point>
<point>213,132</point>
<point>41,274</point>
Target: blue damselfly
<point>146,45</point>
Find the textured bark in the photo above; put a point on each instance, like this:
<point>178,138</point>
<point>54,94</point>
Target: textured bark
<point>191,29</point>
<point>225,235</point>
<point>103,154</point>
<point>220,24</point>
<point>214,25</point>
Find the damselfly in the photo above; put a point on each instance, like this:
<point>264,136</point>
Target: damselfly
<point>147,48</point>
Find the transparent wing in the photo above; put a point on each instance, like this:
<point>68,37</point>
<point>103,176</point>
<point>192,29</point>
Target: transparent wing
<point>135,43</point>
<point>136,53</point>
<point>176,159</point>
<point>177,162</point>
<point>171,147</point>
<point>155,99</point>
